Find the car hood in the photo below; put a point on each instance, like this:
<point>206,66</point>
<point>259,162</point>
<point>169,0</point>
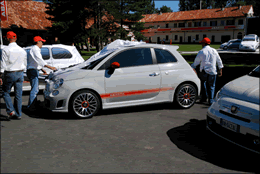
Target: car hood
<point>248,43</point>
<point>71,73</point>
<point>245,88</point>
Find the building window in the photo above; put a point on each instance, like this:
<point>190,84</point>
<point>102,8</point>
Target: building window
<point>197,24</point>
<point>197,37</point>
<point>213,23</point>
<point>175,25</point>
<point>239,35</point>
<point>240,22</point>
<point>176,37</point>
<point>167,37</point>
<point>222,23</point>
<point>204,23</point>
<point>181,25</point>
<point>189,24</point>
<point>230,22</point>
<point>167,26</point>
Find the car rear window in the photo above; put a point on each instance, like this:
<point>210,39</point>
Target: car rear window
<point>164,56</point>
<point>61,53</point>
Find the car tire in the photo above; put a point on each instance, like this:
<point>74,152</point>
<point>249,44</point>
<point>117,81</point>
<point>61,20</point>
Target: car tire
<point>185,96</point>
<point>84,104</point>
<point>225,48</point>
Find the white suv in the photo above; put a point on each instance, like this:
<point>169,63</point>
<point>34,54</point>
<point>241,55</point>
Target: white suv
<point>123,74</point>
<point>249,43</point>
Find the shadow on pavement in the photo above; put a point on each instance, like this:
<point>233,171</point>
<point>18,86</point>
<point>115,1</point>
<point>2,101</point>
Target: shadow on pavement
<point>193,138</point>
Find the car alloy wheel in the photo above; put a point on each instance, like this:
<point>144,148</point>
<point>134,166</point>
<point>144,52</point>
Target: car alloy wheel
<point>84,104</point>
<point>186,96</point>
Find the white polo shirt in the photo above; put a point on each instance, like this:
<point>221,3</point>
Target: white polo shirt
<point>14,58</point>
<point>207,58</point>
<point>35,60</point>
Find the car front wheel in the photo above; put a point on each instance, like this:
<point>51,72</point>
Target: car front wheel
<point>185,96</point>
<point>84,104</point>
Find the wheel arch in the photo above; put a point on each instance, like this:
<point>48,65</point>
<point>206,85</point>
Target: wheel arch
<point>89,90</point>
<point>186,82</point>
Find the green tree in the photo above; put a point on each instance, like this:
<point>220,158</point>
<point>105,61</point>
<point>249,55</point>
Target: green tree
<point>164,9</point>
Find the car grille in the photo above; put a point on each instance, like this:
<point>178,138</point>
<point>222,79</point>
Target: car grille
<point>241,139</point>
<point>234,116</point>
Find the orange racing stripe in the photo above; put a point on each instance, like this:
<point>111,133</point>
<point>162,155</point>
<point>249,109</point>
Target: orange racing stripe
<point>137,92</point>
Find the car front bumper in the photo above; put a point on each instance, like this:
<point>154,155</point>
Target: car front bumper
<point>247,49</point>
<point>246,136</point>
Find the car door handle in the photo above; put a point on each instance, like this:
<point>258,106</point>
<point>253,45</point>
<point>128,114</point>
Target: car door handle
<point>154,74</point>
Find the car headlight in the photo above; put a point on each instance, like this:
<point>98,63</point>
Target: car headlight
<point>219,94</point>
<point>58,83</point>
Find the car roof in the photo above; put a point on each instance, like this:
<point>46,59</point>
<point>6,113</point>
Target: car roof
<point>175,47</point>
<point>55,45</point>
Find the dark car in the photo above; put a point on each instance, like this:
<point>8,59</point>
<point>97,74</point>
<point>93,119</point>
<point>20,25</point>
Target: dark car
<point>233,45</point>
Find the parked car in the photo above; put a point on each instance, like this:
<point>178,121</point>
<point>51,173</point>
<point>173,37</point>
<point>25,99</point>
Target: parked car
<point>123,74</point>
<point>234,115</point>
<point>57,55</point>
<point>231,44</point>
<point>249,43</point>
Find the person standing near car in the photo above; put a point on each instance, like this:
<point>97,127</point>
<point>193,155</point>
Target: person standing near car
<point>207,58</point>
<point>35,63</point>
<point>13,64</point>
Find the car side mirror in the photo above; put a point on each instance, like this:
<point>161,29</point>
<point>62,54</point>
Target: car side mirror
<point>112,67</point>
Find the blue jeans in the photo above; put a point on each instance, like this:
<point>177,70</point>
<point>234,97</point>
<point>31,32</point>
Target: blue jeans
<point>13,79</point>
<point>207,86</point>
<point>33,75</point>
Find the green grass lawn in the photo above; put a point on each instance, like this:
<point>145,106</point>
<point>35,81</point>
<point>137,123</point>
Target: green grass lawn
<point>194,47</point>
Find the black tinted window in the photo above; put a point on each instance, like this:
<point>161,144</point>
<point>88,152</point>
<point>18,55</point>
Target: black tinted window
<point>45,53</point>
<point>163,56</point>
<point>133,57</point>
<point>61,53</point>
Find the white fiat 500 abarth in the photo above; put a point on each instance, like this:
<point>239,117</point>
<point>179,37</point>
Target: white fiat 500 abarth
<point>123,74</point>
<point>234,115</point>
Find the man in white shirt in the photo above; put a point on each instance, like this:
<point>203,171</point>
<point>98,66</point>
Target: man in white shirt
<point>207,58</point>
<point>13,63</point>
<point>35,63</point>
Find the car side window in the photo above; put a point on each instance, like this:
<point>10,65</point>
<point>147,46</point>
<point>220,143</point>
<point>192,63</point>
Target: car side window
<point>133,57</point>
<point>45,53</point>
<point>60,53</point>
<point>164,56</point>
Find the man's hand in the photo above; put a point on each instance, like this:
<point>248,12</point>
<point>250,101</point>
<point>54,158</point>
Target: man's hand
<point>1,81</point>
<point>220,73</point>
<point>53,68</point>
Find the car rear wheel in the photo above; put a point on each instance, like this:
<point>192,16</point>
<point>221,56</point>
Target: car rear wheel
<point>84,104</point>
<point>185,96</point>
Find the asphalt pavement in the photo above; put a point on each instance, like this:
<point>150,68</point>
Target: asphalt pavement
<point>143,139</point>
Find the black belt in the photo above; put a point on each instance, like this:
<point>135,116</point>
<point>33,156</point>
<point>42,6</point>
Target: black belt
<point>13,71</point>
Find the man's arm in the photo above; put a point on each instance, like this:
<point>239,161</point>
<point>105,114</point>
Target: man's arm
<point>40,60</point>
<point>197,60</point>
<point>220,65</point>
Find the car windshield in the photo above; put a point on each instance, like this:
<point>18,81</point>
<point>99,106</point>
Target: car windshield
<point>249,39</point>
<point>255,72</point>
<point>96,62</point>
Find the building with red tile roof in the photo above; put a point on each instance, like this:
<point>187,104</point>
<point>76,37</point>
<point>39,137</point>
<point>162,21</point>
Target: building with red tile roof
<point>220,25</point>
<point>181,27</point>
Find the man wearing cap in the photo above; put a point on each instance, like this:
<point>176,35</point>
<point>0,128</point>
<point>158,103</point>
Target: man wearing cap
<point>35,63</point>
<point>13,64</point>
<point>207,58</point>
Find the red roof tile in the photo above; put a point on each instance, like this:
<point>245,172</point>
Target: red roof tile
<point>197,14</point>
<point>28,14</point>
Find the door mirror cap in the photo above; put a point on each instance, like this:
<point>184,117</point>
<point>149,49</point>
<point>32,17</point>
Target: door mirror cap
<point>114,65</point>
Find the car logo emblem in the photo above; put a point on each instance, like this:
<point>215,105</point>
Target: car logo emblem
<point>234,109</point>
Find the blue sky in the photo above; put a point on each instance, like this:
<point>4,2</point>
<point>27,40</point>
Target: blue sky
<point>173,4</point>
